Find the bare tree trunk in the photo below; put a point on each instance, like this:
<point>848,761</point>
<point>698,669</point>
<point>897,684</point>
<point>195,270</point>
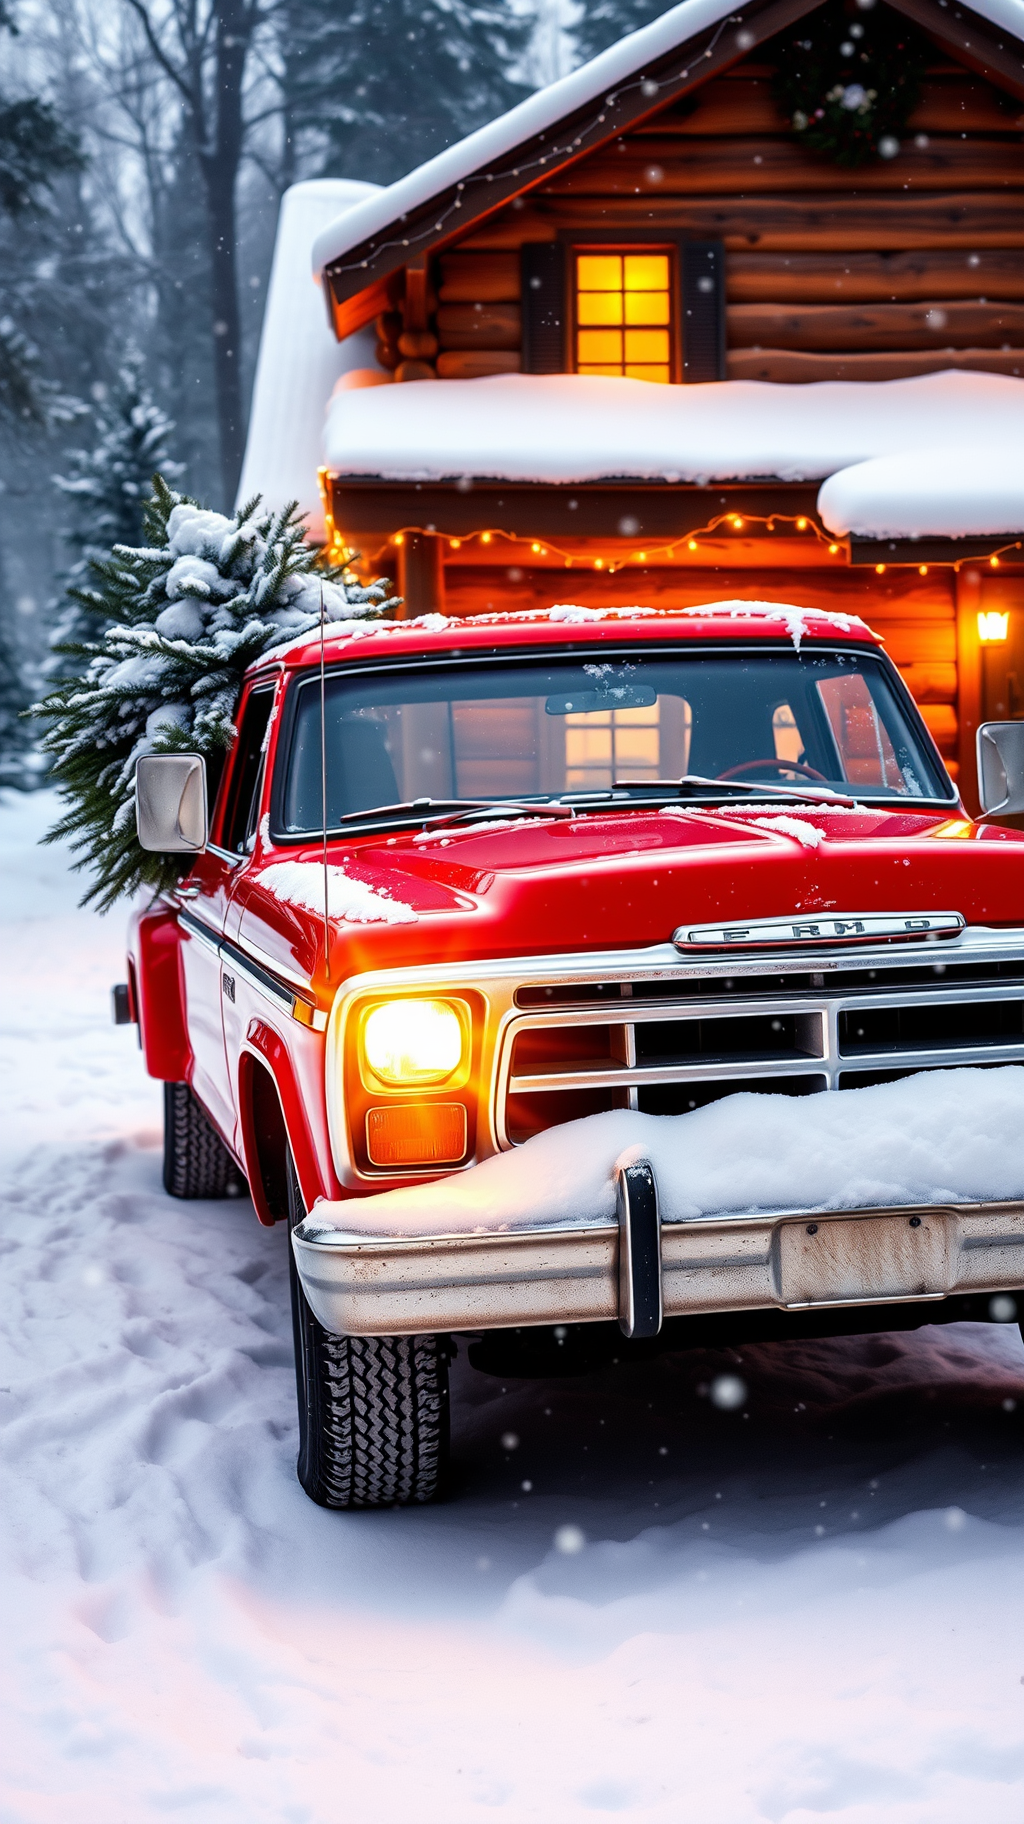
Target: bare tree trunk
<point>204,51</point>
<point>220,155</point>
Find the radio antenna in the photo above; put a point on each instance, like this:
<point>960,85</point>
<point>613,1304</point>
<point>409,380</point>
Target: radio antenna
<point>323,790</point>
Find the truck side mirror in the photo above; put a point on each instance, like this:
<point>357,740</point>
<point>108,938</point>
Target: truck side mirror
<point>1001,767</point>
<point>170,803</point>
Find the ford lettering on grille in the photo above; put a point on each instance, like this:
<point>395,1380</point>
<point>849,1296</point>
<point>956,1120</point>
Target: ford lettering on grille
<point>834,928</point>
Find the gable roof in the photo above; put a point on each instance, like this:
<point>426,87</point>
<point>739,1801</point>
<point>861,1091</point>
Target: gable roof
<point>561,123</point>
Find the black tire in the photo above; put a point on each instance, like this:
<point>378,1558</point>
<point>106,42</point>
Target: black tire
<point>373,1410</point>
<point>196,1161</point>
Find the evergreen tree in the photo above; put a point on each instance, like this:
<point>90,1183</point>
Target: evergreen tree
<point>373,88</point>
<point>107,487</point>
<point>14,739</point>
<point>606,21</point>
<point>35,149</point>
<point>185,614</point>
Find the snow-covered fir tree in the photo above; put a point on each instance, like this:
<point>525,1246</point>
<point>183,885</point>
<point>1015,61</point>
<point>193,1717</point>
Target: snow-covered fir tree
<point>185,614</point>
<point>107,486</point>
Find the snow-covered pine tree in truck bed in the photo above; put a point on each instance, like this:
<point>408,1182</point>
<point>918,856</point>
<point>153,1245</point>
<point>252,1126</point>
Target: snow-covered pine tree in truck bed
<point>187,612</point>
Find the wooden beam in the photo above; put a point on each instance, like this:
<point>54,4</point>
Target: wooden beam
<point>420,575</point>
<point>656,164</point>
<point>936,325</point>
<point>968,666</point>
<point>790,366</point>
<point>479,325</point>
<point>477,363</point>
<point>480,278</point>
<point>932,550</point>
<point>822,278</point>
<point>742,102</point>
<point>982,46</point>
<point>840,221</point>
<point>634,512</point>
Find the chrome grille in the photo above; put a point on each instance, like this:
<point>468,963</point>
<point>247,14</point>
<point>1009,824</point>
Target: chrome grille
<point>667,1052</point>
<point>569,1035</point>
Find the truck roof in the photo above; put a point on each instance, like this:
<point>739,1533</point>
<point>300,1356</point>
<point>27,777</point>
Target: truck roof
<point>440,633</point>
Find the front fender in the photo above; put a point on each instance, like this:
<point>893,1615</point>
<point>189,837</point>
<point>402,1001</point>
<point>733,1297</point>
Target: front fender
<point>265,1048</point>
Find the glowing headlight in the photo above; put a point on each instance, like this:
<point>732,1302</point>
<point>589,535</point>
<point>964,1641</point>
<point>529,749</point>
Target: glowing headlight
<point>413,1043</point>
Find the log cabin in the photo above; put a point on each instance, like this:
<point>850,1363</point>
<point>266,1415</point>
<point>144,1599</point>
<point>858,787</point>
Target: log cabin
<point>639,341</point>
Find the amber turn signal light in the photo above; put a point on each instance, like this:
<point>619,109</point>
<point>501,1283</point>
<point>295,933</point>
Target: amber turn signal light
<point>422,1134</point>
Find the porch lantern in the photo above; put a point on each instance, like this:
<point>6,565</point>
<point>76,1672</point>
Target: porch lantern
<point>993,627</point>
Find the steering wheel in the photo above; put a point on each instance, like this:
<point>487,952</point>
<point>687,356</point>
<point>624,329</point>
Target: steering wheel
<point>780,766</point>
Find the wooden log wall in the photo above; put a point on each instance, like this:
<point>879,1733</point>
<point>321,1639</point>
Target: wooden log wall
<point>912,265</point>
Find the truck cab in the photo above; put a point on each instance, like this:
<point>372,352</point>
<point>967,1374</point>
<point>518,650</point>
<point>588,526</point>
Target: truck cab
<point>476,899</point>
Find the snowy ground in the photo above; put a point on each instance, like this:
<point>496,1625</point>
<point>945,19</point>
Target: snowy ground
<point>810,1607</point>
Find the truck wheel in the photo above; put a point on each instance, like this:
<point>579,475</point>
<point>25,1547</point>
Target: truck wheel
<point>373,1410</point>
<point>196,1161</point>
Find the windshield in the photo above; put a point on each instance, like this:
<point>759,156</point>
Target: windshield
<point>559,727</point>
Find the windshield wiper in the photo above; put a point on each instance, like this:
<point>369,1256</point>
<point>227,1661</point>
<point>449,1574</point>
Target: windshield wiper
<point>696,782</point>
<point>438,811</point>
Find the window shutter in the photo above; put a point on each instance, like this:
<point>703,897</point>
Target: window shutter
<point>703,310</point>
<point>544,337</point>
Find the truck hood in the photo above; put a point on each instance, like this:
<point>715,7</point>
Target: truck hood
<point>616,880</point>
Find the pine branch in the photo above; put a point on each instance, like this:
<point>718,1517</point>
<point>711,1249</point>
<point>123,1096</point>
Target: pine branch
<point>177,622</point>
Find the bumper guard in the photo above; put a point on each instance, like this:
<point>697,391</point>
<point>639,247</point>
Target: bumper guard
<point>639,1270</point>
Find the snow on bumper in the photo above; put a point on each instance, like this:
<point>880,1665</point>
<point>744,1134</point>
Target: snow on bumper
<point>639,1269</point>
<point>912,1189</point>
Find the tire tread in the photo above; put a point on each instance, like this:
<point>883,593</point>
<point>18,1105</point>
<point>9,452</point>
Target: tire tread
<point>196,1161</point>
<point>373,1410</point>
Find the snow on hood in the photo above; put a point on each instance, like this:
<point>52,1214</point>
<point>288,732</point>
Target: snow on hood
<point>946,1136</point>
<point>301,883</point>
<point>579,427</point>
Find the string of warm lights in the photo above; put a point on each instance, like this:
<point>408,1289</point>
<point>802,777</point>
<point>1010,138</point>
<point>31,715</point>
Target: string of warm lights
<point>735,522</point>
<point>957,564</point>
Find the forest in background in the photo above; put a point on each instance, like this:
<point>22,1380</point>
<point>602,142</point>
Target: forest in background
<point>144,148</point>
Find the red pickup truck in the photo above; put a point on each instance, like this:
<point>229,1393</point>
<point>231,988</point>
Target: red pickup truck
<point>573,862</point>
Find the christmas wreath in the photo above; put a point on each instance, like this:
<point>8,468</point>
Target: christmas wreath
<point>849,78</point>
<point>178,621</point>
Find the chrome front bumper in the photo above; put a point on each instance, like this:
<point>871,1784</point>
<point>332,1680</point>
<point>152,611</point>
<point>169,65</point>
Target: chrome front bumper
<point>637,1270</point>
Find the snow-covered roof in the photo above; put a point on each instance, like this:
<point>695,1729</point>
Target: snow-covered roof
<point>541,112</point>
<point>299,360</point>
<point>537,114</point>
<point>952,491</point>
<point>550,428</point>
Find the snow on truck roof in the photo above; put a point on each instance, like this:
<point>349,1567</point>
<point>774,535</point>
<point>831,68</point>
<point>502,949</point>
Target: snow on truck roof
<point>440,633</point>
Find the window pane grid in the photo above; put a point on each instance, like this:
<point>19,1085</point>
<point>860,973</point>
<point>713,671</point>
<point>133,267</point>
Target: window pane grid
<point>624,315</point>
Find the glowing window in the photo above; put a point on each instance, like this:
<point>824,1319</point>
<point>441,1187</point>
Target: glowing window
<point>624,315</point>
<point>604,745</point>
